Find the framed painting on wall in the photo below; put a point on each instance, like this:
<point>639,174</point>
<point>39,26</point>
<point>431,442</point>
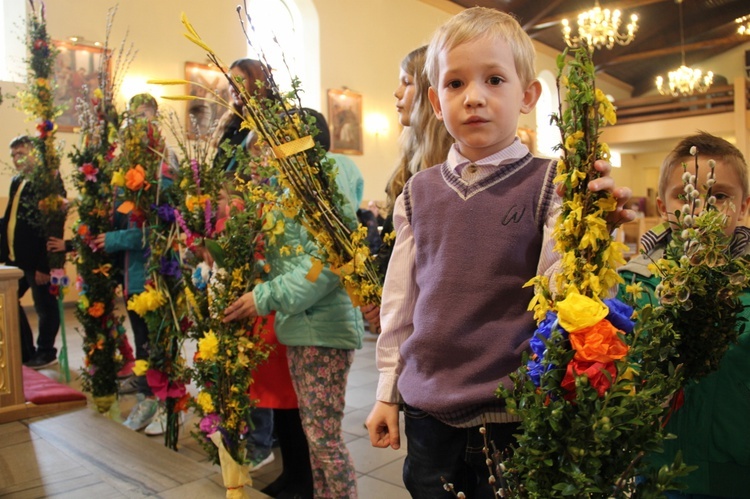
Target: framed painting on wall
<point>345,121</point>
<point>76,66</point>
<point>205,82</point>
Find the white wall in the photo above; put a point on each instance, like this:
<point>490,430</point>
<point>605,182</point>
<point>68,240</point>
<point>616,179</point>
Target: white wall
<point>361,42</point>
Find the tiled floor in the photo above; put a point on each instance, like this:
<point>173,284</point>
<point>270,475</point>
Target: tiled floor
<point>378,470</point>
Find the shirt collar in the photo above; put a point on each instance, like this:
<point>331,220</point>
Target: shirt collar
<point>517,150</point>
<point>662,233</point>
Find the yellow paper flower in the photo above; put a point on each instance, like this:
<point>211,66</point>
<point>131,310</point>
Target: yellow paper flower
<point>577,311</point>
<point>140,367</point>
<point>208,346</point>
<point>118,179</point>
<point>194,203</point>
<point>207,404</point>
<point>148,301</point>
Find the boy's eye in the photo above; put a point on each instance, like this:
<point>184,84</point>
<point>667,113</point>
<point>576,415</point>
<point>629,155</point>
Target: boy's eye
<point>454,84</point>
<point>494,80</point>
<point>721,197</point>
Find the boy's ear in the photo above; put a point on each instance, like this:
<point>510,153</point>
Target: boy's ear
<point>662,207</point>
<point>435,101</point>
<point>742,213</point>
<point>531,96</point>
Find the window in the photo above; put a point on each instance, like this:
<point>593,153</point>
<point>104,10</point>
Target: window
<point>12,49</point>
<point>294,25</point>
<point>548,136</point>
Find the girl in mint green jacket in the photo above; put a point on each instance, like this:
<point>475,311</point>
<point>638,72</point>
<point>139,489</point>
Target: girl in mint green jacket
<point>321,329</point>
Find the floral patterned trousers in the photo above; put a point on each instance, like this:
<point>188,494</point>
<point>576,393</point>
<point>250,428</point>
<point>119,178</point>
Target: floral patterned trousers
<point>319,377</point>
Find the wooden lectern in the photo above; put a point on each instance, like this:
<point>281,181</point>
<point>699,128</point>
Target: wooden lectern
<point>43,395</point>
<point>11,378</point>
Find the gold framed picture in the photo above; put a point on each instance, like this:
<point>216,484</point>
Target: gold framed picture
<point>76,66</point>
<point>345,121</point>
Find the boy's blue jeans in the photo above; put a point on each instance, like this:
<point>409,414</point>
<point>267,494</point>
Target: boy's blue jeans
<point>261,436</point>
<point>436,450</point>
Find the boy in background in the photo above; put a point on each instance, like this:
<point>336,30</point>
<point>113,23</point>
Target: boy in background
<point>712,426</point>
<point>469,234</point>
<point>24,245</point>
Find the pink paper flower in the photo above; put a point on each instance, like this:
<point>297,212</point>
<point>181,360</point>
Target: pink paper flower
<point>89,171</point>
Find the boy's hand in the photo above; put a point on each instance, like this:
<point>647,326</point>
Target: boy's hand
<point>55,245</point>
<point>382,424</point>
<point>242,308</point>
<point>621,215</point>
<point>41,278</point>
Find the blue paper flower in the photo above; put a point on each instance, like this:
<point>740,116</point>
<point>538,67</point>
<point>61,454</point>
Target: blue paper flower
<point>535,366</point>
<point>619,315</point>
<point>543,332</point>
<point>198,280</point>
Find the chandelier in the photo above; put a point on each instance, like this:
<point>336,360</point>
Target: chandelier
<point>744,25</point>
<point>600,28</point>
<point>684,80</point>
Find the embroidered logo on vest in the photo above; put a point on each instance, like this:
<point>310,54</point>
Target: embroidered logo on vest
<point>514,215</point>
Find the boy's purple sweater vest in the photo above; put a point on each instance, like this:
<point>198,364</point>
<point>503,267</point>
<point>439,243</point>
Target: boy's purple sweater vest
<point>476,246</point>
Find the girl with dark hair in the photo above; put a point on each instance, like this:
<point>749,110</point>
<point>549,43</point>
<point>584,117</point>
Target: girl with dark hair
<point>229,130</point>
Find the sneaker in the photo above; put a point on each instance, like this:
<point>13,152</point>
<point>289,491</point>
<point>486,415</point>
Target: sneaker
<point>128,385</point>
<point>158,425</point>
<point>260,461</point>
<point>40,361</point>
<point>142,414</point>
<point>127,370</point>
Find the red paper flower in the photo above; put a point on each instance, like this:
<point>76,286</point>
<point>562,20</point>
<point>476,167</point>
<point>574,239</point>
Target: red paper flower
<point>594,371</point>
<point>162,387</point>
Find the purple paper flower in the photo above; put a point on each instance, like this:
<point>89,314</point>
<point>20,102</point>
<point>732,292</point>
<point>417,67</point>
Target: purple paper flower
<point>165,212</point>
<point>210,423</point>
<point>169,267</point>
<point>196,172</point>
<point>181,223</point>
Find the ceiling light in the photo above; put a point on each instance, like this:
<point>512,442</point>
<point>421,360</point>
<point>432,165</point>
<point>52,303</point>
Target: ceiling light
<point>744,25</point>
<point>600,28</point>
<point>684,80</point>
